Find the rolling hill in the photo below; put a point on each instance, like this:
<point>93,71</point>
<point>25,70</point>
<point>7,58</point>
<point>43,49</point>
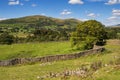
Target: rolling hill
<point>38,21</point>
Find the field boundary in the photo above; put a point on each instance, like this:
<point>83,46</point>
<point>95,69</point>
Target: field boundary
<point>50,58</point>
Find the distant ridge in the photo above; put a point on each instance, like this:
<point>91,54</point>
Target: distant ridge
<point>40,21</point>
<point>117,25</point>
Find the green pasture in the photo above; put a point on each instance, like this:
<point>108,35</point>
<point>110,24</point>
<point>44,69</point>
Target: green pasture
<point>32,71</point>
<point>35,49</point>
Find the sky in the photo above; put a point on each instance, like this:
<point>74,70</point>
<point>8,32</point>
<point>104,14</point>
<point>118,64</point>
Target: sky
<point>105,11</point>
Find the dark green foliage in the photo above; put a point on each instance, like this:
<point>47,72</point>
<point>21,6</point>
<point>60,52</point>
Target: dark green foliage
<point>89,33</point>
<point>49,35</point>
<point>5,38</point>
<point>113,32</point>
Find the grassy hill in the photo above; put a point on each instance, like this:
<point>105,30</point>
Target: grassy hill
<point>39,21</point>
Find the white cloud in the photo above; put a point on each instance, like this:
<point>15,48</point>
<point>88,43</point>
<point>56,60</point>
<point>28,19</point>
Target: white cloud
<point>96,0</point>
<point>115,15</point>
<point>93,15</point>
<point>83,19</point>
<point>115,18</point>
<point>112,18</point>
<point>2,18</point>
<point>13,2</point>
<point>111,2</point>
<point>112,21</point>
<point>116,12</point>
<point>43,14</point>
<point>65,12</point>
<point>76,2</point>
<point>34,5</point>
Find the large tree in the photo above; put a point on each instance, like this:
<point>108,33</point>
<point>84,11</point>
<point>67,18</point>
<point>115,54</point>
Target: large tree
<point>89,33</point>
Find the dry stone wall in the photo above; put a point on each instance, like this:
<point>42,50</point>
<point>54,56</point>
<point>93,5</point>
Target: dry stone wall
<point>50,58</point>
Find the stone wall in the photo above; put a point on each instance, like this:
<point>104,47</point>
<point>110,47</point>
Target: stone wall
<point>49,58</point>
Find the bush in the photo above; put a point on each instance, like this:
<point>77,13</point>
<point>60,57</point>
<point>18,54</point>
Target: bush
<point>5,38</point>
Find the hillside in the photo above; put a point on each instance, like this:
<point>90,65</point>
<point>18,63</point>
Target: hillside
<point>115,28</point>
<point>43,27</point>
<point>38,21</point>
<point>117,25</point>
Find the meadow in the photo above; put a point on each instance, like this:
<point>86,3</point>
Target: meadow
<point>32,71</point>
<point>24,50</point>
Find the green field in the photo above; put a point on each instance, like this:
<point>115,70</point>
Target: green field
<point>31,72</point>
<point>34,49</point>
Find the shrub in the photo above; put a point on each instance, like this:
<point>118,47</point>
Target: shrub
<point>5,38</point>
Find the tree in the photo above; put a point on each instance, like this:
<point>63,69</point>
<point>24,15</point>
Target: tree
<point>5,38</point>
<point>89,33</point>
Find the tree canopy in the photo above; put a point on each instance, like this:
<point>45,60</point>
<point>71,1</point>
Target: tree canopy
<point>89,33</point>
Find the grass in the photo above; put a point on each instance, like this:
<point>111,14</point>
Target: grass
<point>34,49</point>
<point>30,72</point>
<point>107,73</point>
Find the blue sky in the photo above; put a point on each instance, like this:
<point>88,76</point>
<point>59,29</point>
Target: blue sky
<point>105,11</point>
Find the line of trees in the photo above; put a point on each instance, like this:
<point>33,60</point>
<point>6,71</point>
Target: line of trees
<point>49,35</point>
<point>113,32</point>
<point>37,35</point>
